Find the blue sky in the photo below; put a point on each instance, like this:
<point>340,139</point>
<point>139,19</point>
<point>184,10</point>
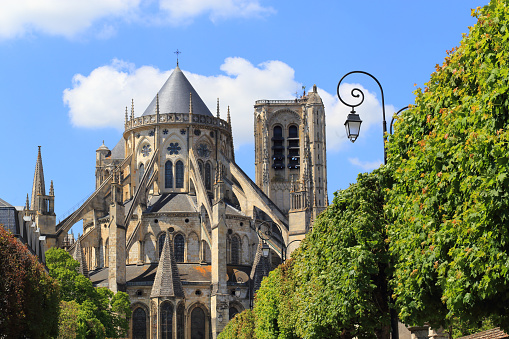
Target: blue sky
<point>68,69</point>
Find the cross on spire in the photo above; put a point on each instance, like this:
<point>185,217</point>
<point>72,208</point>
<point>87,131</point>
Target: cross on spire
<point>177,52</point>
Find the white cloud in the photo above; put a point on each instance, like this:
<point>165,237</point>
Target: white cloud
<point>58,17</point>
<point>180,11</point>
<point>365,165</point>
<point>99,99</point>
<point>71,17</point>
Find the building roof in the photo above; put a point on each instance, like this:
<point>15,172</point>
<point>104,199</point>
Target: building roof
<point>174,97</point>
<point>171,202</point>
<point>38,186</point>
<point>4,203</point>
<point>118,152</point>
<point>494,333</point>
<point>167,281</point>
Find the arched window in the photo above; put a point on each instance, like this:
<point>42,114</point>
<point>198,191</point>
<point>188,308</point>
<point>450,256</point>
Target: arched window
<point>200,167</point>
<point>162,237</point>
<point>106,254</point>
<point>139,324</point>
<point>278,149</point>
<point>168,174</point>
<point>235,250</point>
<point>181,321</point>
<point>179,174</point>
<point>293,132</point>
<point>178,245</point>
<point>141,171</point>
<point>208,179</point>
<point>232,312</point>
<point>197,324</point>
<point>293,147</point>
<point>166,320</point>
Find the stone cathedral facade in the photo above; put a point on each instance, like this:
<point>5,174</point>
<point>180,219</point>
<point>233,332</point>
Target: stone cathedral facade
<point>175,222</point>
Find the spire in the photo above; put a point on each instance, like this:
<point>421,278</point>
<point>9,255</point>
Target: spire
<point>79,257</point>
<point>27,204</point>
<point>190,103</point>
<point>228,119</point>
<point>167,281</point>
<point>51,190</point>
<point>157,103</point>
<point>38,185</point>
<point>126,115</point>
<point>132,109</point>
<point>218,108</point>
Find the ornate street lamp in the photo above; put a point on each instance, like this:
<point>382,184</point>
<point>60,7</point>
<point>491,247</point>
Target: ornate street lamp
<point>265,249</point>
<point>353,126</point>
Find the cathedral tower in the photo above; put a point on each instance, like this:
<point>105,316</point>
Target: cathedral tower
<point>290,157</point>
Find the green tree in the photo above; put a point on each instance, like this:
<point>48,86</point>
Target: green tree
<point>450,200</point>
<point>274,304</point>
<point>28,295</point>
<point>100,313</point>
<point>240,327</point>
<point>342,267</point>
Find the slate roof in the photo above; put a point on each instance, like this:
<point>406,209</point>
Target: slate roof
<point>4,203</point>
<point>494,333</point>
<point>171,202</point>
<point>167,281</point>
<point>78,256</point>
<point>118,152</point>
<point>174,97</point>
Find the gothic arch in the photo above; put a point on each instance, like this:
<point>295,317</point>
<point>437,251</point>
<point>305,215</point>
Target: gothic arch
<point>166,312</point>
<point>136,322</point>
<point>179,247</point>
<point>198,316</point>
<point>160,243</point>
<point>234,308</point>
<point>280,114</point>
<point>235,249</point>
<point>149,248</point>
<point>181,320</point>
<point>193,247</point>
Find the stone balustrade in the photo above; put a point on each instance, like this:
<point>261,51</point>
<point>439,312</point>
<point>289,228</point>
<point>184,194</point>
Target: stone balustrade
<point>175,118</point>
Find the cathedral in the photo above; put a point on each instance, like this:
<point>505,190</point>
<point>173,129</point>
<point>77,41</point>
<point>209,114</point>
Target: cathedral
<point>177,224</point>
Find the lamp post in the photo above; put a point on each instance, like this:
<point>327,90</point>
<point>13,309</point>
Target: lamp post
<point>266,235</point>
<point>353,126</point>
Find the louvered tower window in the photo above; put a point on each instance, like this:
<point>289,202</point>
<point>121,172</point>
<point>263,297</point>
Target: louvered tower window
<point>178,245</point>
<point>293,147</point>
<point>278,148</point>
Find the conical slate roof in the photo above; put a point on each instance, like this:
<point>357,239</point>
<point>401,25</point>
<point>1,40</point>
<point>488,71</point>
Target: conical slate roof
<point>79,257</point>
<point>167,281</point>
<point>174,97</point>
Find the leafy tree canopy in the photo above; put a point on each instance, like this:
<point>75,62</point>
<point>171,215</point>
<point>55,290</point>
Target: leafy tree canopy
<point>240,327</point>
<point>450,202</point>
<point>29,297</point>
<point>100,313</point>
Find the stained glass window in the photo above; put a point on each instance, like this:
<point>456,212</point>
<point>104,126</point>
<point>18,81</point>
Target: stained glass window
<point>179,245</point>
<point>203,150</point>
<point>174,148</point>
<point>166,320</point>
<point>235,250</point>
<point>139,324</point>
<point>179,174</point>
<point>208,179</point>
<point>145,150</point>
<point>165,131</point>
<point>180,321</point>
<point>168,174</point>
<point>197,324</point>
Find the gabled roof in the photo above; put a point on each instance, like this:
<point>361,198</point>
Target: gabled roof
<point>174,97</point>
<point>167,282</point>
<point>494,333</point>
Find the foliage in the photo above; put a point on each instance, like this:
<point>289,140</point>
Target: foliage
<point>28,295</point>
<point>273,308</point>
<point>342,267</point>
<point>99,311</point>
<point>68,325</point>
<point>450,203</point>
<point>240,327</point>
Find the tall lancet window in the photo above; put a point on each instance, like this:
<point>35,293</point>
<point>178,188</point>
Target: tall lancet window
<point>235,250</point>
<point>179,174</point>
<point>293,147</point>
<point>181,310</point>
<point>278,148</point>
<point>208,179</point>
<point>162,237</point>
<point>179,246</point>
<point>141,171</point>
<point>198,324</point>
<point>166,320</point>
<point>139,323</point>
<point>168,174</point>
